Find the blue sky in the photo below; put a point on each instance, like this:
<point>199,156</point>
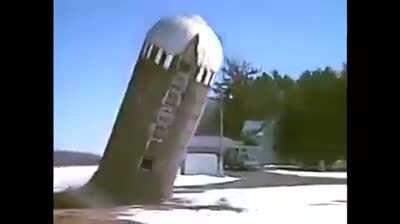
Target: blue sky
<point>96,42</point>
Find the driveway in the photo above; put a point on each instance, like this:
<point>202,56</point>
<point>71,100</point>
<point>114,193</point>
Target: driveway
<point>262,178</point>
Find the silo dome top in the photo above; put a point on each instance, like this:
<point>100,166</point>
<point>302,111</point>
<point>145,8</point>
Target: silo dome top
<point>174,33</point>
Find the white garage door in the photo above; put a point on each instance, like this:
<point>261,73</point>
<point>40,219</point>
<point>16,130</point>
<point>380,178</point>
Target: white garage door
<point>201,163</point>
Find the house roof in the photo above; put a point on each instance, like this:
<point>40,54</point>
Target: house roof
<point>250,147</point>
<point>252,126</point>
<point>210,144</point>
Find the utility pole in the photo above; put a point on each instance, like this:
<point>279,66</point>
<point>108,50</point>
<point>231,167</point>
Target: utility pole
<point>221,123</point>
<point>221,97</point>
<point>221,119</point>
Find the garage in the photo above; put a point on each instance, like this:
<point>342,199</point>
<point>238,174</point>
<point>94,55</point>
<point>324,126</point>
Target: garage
<point>201,163</point>
<point>205,155</point>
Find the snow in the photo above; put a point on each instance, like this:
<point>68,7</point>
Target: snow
<point>71,176</point>
<point>309,204</point>
<point>341,175</point>
<point>295,204</point>
<point>76,176</point>
<point>174,33</point>
<point>199,180</point>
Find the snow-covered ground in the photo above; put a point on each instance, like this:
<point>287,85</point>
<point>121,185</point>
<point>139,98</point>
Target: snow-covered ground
<point>296,204</point>
<point>342,175</point>
<point>76,176</point>
<point>310,204</point>
<point>199,180</point>
<point>71,176</point>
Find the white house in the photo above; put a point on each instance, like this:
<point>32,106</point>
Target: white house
<point>263,133</point>
<point>205,156</point>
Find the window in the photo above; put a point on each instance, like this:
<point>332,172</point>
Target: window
<point>147,164</point>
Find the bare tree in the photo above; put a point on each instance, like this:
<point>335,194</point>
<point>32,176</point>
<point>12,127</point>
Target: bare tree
<point>235,73</point>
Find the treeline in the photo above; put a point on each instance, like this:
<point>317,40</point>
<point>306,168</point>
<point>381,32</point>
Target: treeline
<point>73,158</point>
<point>310,112</point>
